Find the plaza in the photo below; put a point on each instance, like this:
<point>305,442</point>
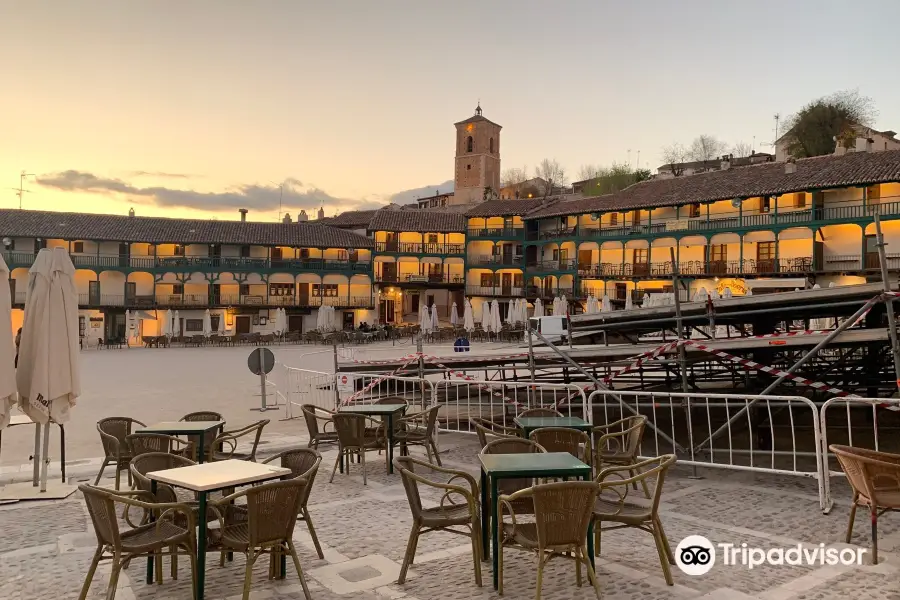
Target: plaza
<point>46,546</point>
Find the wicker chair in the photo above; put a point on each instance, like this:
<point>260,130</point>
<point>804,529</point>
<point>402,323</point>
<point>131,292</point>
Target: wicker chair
<point>618,443</point>
<point>317,422</point>
<point>419,430</point>
<point>564,439</point>
<point>304,464</point>
<point>225,445</point>
<point>562,515</point>
<point>614,507</point>
<point>448,515</point>
<point>357,434</point>
<point>540,412</point>
<point>147,539</point>
<point>113,431</point>
<point>488,430</point>
<point>515,445</point>
<point>265,526</point>
<point>141,443</point>
<point>875,479</point>
<point>203,415</point>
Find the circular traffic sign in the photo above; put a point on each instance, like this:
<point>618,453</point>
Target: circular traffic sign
<point>261,361</point>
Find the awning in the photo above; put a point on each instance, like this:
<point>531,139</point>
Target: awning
<point>768,284</point>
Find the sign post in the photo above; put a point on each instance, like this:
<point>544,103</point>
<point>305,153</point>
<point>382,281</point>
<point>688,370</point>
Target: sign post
<point>261,362</point>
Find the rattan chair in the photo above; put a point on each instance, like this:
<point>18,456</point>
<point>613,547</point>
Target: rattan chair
<point>225,446</point>
<point>875,479</point>
<point>419,430</point>
<point>357,434</point>
<point>113,431</point>
<point>265,526</point>
<point>141,443</point>
<point>515,445</point>
<point>564,439</point>
<point>540,412</point>
<point>304,464</point>
<point>203,415</point>
<point>613,506</point>
<point>618,443</point>
<point>147,539</point>
<point>562,515</point>
<point>317,423</point>
<point>488,431</point>
<point>449,513</point>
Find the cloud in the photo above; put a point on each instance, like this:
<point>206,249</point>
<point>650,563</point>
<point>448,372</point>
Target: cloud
<point>252,196</point>
<point>409,196</point>
<point>160,174</point>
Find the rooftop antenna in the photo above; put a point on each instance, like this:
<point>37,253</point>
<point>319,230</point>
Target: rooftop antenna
<point>21,191</point>
<point>777,119</point>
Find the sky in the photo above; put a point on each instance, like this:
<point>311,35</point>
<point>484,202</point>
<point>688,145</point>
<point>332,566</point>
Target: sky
<point>196,109</point>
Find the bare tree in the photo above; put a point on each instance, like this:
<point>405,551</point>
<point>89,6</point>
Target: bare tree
<point>552,172</point>
<point>587,172</point>
<point>706,147</point>
<point>674,154</point>
<point>513,176</point>
<point>742,149</point>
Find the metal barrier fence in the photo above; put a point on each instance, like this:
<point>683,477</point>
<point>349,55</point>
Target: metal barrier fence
<point>778,434</point>
<point>302,386</point>
<point>879,427</point>
<point>369,388</point>
<point>502,401</point>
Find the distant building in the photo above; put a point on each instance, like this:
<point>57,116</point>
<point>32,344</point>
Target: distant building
<point>530,188</point>
<point>321,212</point>
<point>439,200</point>
<point>866,140</point>
<point>705,166</point>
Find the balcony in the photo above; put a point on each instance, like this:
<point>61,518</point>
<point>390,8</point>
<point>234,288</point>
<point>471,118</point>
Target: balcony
<point>695,268</point>
<point>495,260</point>
<point>187,301</point>
<point>496,233</point>
<point>498,290</point>
<point>547,266</point>
<point>407,278</point>
<point>420,248</point>
<point>533,291</point>
<point>551,234</point>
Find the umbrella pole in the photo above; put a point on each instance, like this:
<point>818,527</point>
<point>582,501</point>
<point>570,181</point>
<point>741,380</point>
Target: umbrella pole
<point>37,454</point>
<point>44,456</point>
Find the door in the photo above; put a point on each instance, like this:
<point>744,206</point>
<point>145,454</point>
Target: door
<point>718,259</point>
<point>765,257</point>
<point>871,252</point>
<point>295,323</point>
<point>347,319</point>
<point>641,262</point>
<point>124,254</point>
<point>130,292</point>
<point>506,284</point>
<point>215,291</point>
<point>621,291</point>
<point>277,255</point>
<point>94,293</point>
<point>242,324</point>
<point>303,294</point>
<point>386,311</point>
<point>507,254</point>
<point>389,271</point>
<point>584,260</point>
<point>390,242</point>
<point>414,303</point>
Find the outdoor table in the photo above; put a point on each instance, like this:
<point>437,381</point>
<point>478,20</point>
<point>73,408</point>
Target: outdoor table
<point>198,428</point>
<point>529,424</point>
<point>388,411</point>
<point>205,478</point>
<point>523,466</point>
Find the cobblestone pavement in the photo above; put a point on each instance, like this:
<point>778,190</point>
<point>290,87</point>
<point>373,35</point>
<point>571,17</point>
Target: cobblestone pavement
<point>46,547</point>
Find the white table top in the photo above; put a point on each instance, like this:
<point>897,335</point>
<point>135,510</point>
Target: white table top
<point>217,475</point>
<point>181,427</point>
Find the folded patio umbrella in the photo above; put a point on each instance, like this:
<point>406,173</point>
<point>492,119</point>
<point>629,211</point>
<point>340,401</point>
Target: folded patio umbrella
<point>496,323</point>
<point>629,302</point>
<point>435,321</point>
<point>207,324</point>
<point>220,328</point>
<point>468,317</point>
<point>48,376</point>
<point>486,316</point>
<point>454,317</point>
<point>424,319</point>
<point>7,349</point>
<point>538,308</point>
<point>176,324</point>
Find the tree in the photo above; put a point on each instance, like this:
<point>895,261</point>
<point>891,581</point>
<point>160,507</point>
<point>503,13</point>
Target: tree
<point>588,172</point>
<point>674,154</point>
<point>552,172</point>
<point>513,176</point>
<point>706,147</point>
<point>818,127</point>
<point>742,149</point>
<point>613,179</point>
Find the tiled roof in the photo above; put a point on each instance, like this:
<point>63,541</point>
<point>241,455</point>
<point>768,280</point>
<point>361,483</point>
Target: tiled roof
<point>509,208</point>
<point>821,172</point>
<point>350,218</point>
<point>159,230</point>
<point>476,119</point>
<point>426,221</point>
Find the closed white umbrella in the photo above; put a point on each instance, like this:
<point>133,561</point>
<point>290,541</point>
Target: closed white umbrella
<point>749,292</point>
<point>496,323</point>
<point>607,305</point>
<point>435,321</point>
<point>176,323</point>
<point>468,317</point>
<point>645,302</point>
<point>538,308</point>
<point>166,325</point>
<point>629,302</point>
<point>48,377</point>
<point>727,293</point>
<point>207,324</point>
<point>7,349</point>
<point>424,319</point>
<point>220,327</point>
<point>337,319</point>
<point>454,317</point>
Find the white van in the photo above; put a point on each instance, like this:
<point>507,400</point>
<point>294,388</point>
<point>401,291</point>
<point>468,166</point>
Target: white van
<point>555,329</point>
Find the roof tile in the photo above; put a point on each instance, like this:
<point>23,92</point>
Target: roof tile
<point>419,220</point>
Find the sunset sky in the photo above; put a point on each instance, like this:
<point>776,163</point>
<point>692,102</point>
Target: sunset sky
<point>199,108</point>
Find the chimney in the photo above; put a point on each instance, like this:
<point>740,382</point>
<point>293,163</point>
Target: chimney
<point>790,166</point>
<point>130,212</point>
<point>243,212</point>
<point>725,163</point>
<point>287,219</point>
<point>321,214</point>
<point>840,150</point>
<point>302,217</point>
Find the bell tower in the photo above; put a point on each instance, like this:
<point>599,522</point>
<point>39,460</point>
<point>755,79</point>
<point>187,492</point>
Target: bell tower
<point>477,158</point>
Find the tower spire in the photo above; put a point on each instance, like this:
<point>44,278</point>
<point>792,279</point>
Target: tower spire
<point>478,108</point>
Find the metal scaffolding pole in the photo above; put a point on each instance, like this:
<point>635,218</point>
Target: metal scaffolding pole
<point>888,299</point>
<point>682,356</point>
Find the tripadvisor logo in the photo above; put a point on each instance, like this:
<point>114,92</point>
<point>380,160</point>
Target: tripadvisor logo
<point>696,555</point>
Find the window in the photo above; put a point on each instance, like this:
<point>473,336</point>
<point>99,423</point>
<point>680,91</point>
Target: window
<point>765,251</point>
<point>635,217</point>
<point>78,247</point>
<point>304,252</point>
<point>432,238</point>
<point>641,256</point>
<point>492,145</point>
<point>342,255</point>
<point>556,254</point>
<point>621,291</point>
<point>718,253</point>
<point>325,289</point>
<point>353,255</point>
<point>765,204</point>
<point>245,251</point>
<point>873,194</point>
<point>244,289</point>
<point>613,219</point>
<point>800,200</point>
<point>194,324</point>
<point>695,210</point>
<point>178,250</point>
<point>487,280</point>
<point>469,144</point>
<point>519,280</point>
<point>468,167</point>
<point>178,289</point>
<point>281,289</point>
